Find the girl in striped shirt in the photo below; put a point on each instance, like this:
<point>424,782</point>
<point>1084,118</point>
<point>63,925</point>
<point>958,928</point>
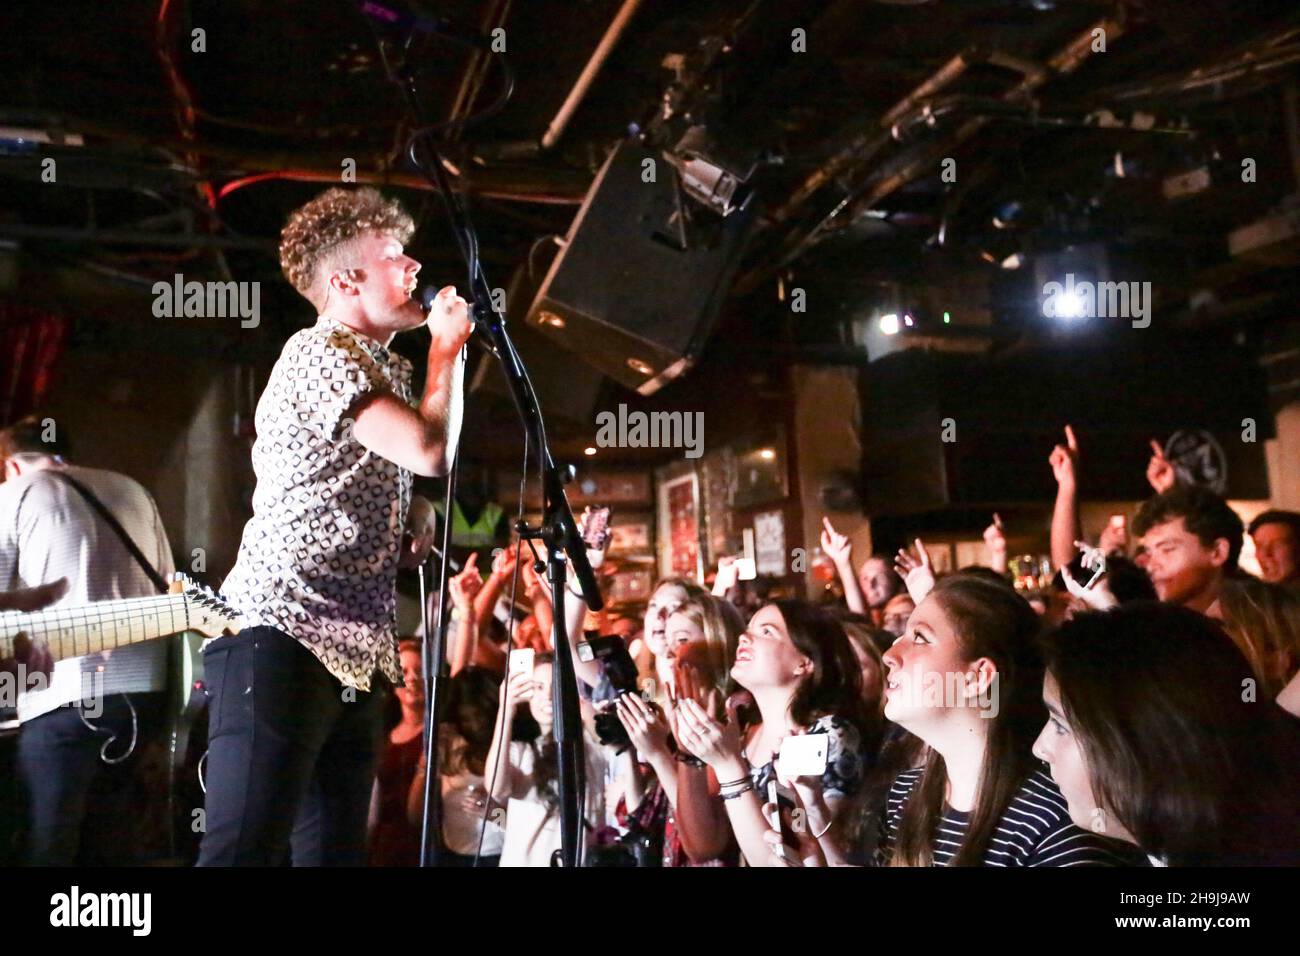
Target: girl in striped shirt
<point>966,678</point>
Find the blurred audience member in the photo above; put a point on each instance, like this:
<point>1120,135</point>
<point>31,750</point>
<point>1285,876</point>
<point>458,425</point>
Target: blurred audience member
<point>1264,621</point>
<point>1154,741</point>
<point>1277,546</point>
<point>394,839</point>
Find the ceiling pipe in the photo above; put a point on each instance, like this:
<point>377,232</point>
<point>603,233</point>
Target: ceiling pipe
<point>913,164</point>
<point>476,71</point>
<point>589,72</point>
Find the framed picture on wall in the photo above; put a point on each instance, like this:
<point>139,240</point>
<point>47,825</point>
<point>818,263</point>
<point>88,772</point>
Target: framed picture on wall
<point>761,472</point>
<point>769,543</point>
<point>679,527</point>
<point>630,535</point>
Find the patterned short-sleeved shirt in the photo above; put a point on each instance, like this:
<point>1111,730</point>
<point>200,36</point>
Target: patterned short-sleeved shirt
<point>318,559</point>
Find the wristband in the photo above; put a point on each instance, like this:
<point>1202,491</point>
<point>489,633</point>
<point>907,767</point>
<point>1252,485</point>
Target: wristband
<point>682,757</point>
<point>735,783</point>
<point>733,794</point>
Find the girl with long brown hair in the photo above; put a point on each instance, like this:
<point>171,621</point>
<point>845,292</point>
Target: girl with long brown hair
<point>966,678</point>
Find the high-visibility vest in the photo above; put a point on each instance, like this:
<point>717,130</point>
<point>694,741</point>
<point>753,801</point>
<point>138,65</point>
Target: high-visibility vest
<point>481,533</point>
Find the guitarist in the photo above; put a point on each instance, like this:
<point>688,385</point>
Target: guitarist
<point>87,720</point>
<point>294,713</point>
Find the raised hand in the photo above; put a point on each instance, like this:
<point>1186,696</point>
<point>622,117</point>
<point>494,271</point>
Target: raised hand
<point>917,573</point>
<point>464,587</point>
<point>535,586</point>
<point>645,723</point>
<point>517,689</point>
<point>596,554</point>
<point>1160,472</point>
<point>1064,459</point>
<point>995,540</point>
<point>1097,597</point>
<point>448,322</point>
<point>727,576</point>
<point>836,546</point>
<point>503,565</point>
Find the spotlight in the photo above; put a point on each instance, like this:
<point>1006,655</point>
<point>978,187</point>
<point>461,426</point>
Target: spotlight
<point>889,324</point>
<point>589,451</point>
<point>1067,305</point>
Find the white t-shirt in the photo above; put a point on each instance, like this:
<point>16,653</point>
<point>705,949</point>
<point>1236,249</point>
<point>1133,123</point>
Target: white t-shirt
<point>460,829</point>
<point>48,531</point>
<point>532,831</point>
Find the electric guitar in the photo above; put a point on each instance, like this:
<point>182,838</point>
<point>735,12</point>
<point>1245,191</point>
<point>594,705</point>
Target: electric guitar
<point>190,613</point>
<point>104,625</point>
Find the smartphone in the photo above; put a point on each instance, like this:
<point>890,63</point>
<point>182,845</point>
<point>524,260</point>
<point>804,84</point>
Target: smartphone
<point>746,567</point>
<point>596,528</point>
<point>521,660</point>
<point>804,755</point>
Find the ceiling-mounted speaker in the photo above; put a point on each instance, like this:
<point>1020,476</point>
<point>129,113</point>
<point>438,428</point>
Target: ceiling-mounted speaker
<point>642,274</point>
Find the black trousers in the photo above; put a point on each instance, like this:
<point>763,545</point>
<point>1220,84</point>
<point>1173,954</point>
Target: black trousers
<point>80,809</point>
<point>291,756</point>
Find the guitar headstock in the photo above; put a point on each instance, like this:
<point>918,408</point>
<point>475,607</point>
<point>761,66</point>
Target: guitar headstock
<point>207,612</point>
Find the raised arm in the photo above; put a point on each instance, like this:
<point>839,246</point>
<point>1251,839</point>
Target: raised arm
<point>498,774</point>
<point>423,439</point>
<point>1065,513</point>
<point>464,587</point>
<point>503,569</point>
<point>996,543</point>
<point>840,551</point>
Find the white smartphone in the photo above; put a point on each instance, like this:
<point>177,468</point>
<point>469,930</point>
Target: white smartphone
<point>746,565</point>
<point>521,660</point>
<point>804,755</point>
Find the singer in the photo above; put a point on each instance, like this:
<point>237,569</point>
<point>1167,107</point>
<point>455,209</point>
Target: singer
<point>292,725</point>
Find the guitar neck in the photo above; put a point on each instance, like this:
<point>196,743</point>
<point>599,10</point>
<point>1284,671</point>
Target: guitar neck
<point>92,628</point>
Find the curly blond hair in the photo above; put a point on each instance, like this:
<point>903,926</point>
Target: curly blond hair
<point>317,236</point>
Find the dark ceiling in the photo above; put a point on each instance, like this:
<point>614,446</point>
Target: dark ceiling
<point>193,158</point>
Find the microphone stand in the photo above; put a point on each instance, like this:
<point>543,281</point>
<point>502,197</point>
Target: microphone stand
<point>433,661</point>
<point>558,531</point>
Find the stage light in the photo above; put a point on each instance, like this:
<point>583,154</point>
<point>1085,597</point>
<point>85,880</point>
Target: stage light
<point>767,454</point>
<point>947,318</point>
<point>907,319</point>
<point>1067,304</point>
<point>889,324</point>
<point>589,451</point>
<point>551,319</point>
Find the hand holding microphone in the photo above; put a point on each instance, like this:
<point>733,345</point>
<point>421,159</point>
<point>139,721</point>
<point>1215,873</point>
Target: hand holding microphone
<point>448,320</point>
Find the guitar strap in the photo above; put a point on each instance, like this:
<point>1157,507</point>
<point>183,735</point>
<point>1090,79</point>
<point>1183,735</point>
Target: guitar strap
<point>113,523</point>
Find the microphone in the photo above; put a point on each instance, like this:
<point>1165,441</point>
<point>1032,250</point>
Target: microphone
<point>429,295</point>
<point>387,15</point>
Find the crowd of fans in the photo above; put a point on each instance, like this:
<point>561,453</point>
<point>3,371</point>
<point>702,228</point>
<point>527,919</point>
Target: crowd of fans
<point>1144,714</point>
